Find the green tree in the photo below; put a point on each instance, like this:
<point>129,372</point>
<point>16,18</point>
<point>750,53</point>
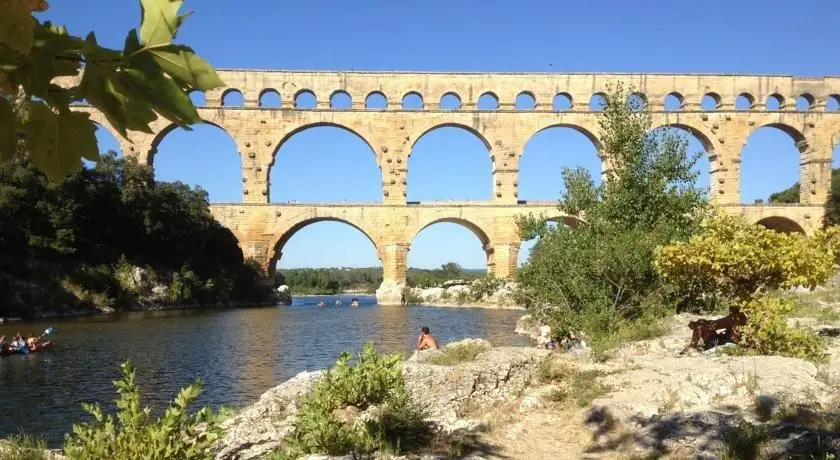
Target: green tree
<point>150,76</point>
<point>599,275</point>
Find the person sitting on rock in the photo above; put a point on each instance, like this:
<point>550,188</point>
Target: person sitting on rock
<point>426,341</point>
<point>707,330</point>
<point>544,340</point>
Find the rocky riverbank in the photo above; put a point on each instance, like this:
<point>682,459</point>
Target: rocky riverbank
<point>467,294</point>
<point>647,399</point>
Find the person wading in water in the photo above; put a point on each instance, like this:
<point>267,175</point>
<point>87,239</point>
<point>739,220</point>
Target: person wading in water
<point>426,341</point>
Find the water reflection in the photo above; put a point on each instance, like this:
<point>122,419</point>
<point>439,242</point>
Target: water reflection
<point>239,354</point>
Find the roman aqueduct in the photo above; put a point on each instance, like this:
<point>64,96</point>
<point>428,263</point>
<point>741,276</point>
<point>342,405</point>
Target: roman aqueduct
<point>706,107</point>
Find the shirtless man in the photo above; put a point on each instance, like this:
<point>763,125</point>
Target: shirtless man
<point>707,329</point>
<point>426,341</point>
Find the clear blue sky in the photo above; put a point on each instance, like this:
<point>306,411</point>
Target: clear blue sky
<point>744,36</point>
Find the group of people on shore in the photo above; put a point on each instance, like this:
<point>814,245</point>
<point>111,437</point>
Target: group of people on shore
<point>19,344</point>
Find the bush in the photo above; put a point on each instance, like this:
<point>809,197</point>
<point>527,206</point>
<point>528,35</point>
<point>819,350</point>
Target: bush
<point>376,385</point>
<point>459,353</point>
<point>768,333</point>
<point>177,435</point>
<point>734,260</point>
<point>485,287</point>
<point>23,447</point>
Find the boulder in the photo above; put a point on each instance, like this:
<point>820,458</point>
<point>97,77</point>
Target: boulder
<point>258,429</point>
<point>527,325</point>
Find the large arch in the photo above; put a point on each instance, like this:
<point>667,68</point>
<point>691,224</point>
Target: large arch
<point>550,150</point>
<point>781,224</point>
<point>205,156</point>
<point>449,239</point>
<point>451,154</point>
<point>321,245</point>
<point>770,161</point>
<point>316,162</point>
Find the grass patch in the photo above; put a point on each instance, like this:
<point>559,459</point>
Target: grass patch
<point>624,333</point>
<point>460,353</point>
<point>23,447</point>
<point>575,385</point>
<point>744,442</point>
<point>814,305</point>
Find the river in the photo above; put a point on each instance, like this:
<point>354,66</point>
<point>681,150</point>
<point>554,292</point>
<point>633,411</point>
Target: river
<point>239,353</point>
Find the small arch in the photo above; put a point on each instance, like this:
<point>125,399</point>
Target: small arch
<point>340,100</point>
<point>562,102</point>
<point>805,102</point>
<point>450,101</point>
<point>488,101</point>
<point>637,102</point>
<point>305,99</point>
<point>744,101</point>
<point>198,98</point>
<point>376,101</point>
<point>832,103</point>
<point>412,101</point>
<point>774,102</point>
<point>674,102</point>
<point>710,102</point>
<point>525,101</point>
<point>598,102</point>
<point>781,224</point>
<point>270,98</point>
<point>233,98</point>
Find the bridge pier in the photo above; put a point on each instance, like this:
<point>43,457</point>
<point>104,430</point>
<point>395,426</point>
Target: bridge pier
<point>393,257</point>
<point>501,260</point>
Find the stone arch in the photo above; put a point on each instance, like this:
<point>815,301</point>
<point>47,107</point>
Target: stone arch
<point>781,224</point>
<point>374,99</point>
<point>525,100</point>
<point>468,128</point>
<point>702,134</point>
<point>233,97</point>
<point>762,175</point>
<point>300,96</point>
<point>299,129</point>
<point>673,102</point>
<point>450,101</point>
<point>586,131</point>
<point>281,237</point>
<point>269,93</point>
<point>160,135</point>
<point>197,97</point>
<point>434,164</point>
<point>598,102</point>
<point>775,102</point>
<point>464,222</point>
<point>341,100</point>
<point>710,102</point>
<point>805,102</point>
<point>487,101</point>
<point>744,101</point>
<point>410,98</point>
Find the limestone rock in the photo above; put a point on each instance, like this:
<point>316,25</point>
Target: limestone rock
<point>527,325</point>
<point>258,429</point>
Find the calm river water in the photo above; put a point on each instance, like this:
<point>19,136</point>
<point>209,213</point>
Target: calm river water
<point>239,353</point>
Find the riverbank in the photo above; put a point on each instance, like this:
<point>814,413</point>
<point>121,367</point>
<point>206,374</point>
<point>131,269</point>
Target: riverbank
<point>480,293</point>
<point>646,399</point>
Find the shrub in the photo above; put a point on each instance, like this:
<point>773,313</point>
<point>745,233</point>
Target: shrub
<point>768,333</point>
<point>23,447</point>
<point>178,434</point>
<point>734,259</point>
<point>374,384</point>
<point>459,353</point>
<point>485,287</point>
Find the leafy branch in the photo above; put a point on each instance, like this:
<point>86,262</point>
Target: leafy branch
<point>150,77</point>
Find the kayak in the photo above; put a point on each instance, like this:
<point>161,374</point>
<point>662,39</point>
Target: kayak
<point>41,347</point>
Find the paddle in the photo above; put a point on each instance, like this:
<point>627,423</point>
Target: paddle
<point>47,331</point>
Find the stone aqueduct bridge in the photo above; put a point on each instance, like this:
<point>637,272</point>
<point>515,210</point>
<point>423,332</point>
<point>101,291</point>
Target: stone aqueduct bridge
<point>263,228</point>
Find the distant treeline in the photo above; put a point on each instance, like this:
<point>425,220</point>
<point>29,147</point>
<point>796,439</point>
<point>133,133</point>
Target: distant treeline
<point>308,281</point>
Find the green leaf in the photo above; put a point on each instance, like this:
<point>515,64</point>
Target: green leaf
<point>162,93</point>
<point>187,68</point>
<point>57,143</point>
<point>17,26</point>
<point>159,21</point>
<point>101,87</point>
<point>8,122</point>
